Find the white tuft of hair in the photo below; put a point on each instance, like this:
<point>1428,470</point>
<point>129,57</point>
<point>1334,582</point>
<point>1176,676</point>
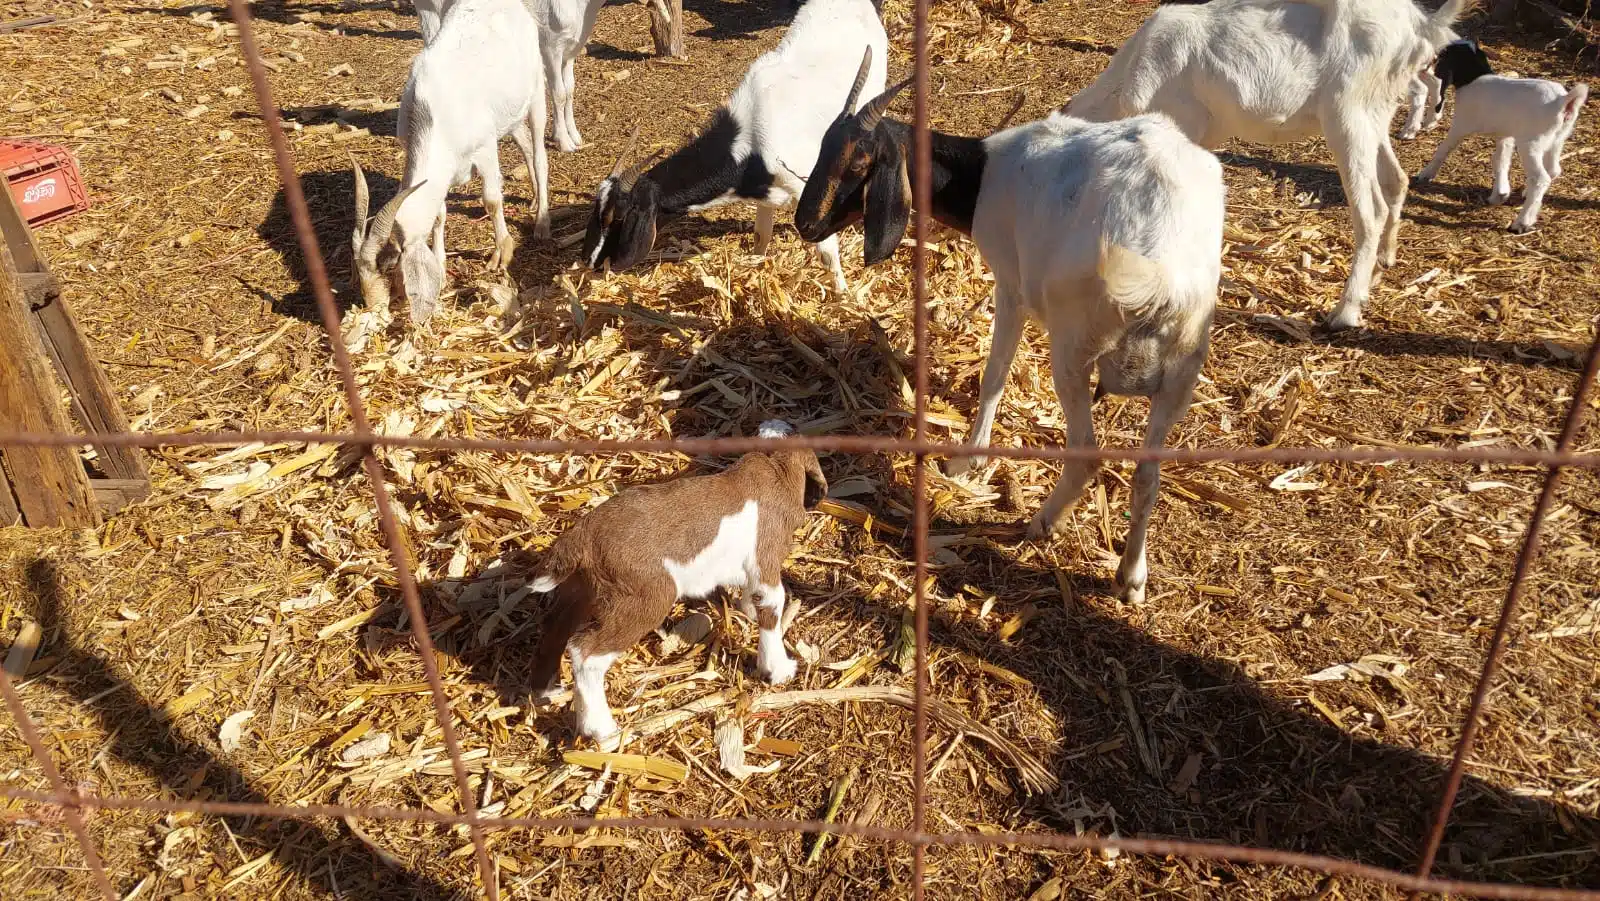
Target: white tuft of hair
<point>775,428</point>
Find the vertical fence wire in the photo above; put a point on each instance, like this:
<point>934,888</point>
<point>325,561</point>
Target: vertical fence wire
<point>388,524</point>
<point>922,157</point>
<point>1526,558</point>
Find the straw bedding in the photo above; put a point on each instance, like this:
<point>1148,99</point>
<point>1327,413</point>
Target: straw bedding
<point>1294,680</point>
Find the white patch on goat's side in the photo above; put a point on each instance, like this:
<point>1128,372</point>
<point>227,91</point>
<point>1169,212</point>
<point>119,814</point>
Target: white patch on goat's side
<point>722,563</point>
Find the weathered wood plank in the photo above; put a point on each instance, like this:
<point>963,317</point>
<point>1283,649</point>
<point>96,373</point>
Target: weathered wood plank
<point>48,484</point>
<point>94,403</point>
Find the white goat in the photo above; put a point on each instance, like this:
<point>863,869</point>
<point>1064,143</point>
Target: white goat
<point>755,146</point>
<point>1425,97</point>
<point>475,83</point>
<point>565,28</point>
<point>1273,72</point>
<point>429,14</point>
<point>1534,116</point>
<point>618,570</point>
<point>1107,234</point>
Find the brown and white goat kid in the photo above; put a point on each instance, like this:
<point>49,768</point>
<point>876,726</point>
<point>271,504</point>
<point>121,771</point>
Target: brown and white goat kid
<point>619,570</point>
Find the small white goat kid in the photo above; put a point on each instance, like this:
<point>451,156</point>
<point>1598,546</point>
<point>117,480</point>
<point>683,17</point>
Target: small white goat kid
<point>1109,235</point>
<point>478,81</point>
<point>1534,116</point>
<point>1274,72</point>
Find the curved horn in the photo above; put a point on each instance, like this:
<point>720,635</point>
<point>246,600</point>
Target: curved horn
<point>362,197</point>
<point>872,113</point>
<point>627,150</point>
<point>861,82</point>
<point>634,171</point>
<point>383,223</point>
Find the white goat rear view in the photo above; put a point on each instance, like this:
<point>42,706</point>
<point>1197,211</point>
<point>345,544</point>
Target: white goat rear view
<point>565,26</point>
<point>1273,72</point>
<point>1532,116</point>
<point>478,81</point>
<point>1109,235</point>
<point>618,570</point>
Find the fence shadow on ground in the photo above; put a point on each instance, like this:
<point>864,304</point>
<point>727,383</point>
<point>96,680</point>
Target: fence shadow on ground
<point>320,853</point>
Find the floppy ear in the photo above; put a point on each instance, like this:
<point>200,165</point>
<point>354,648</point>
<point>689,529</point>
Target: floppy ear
<point>887,205</point>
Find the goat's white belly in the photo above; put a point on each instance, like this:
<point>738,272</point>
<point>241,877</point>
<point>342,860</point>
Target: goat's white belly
<point>724,561</point>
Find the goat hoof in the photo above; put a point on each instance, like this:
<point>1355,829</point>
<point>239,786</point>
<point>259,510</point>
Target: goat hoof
<point>779,671</point>
<point>1341,319</point>
<point>609,743</point>
<point>1409,134</point>
<point>956,467</point>
<point>1520,228</point>
<point>1132,594</point>
<point>1497,199</point>
<point>547,696</point>
<point>1040,528</point>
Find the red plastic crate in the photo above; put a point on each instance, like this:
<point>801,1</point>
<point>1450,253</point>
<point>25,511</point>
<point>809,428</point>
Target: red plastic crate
<point>44,179</point>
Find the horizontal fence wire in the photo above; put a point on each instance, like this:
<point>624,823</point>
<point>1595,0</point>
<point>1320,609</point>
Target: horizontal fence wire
<point>71,804</point>
<point>851,444</point>
<point>1040,841</point>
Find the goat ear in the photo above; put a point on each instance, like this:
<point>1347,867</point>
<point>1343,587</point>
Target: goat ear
<point>816,482</point>
<point>887,206</point>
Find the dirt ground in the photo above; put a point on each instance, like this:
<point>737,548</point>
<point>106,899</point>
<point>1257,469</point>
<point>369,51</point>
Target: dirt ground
<point>254,581</point>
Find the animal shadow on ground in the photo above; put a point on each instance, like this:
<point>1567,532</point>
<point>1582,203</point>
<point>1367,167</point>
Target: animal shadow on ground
<point>1413,344</point>
<point>726,19</point>
<point>288,12</point>
<point>319,853</point>
<point>330,198</point>
<point>1273,776</point>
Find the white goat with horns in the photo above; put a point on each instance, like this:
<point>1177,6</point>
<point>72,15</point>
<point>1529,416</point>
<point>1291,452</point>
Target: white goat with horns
<point>477,82</point>
<point>1109,235</point>
<point>1274,72</point>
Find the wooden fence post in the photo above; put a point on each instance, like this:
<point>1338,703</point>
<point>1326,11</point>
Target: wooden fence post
<point>43,486</point>
<point>666,27</point>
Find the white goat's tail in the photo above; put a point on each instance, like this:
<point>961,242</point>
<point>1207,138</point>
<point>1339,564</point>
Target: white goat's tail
<point>1441,23</point>
<point>1573,102</point>
<point>1135,283</point>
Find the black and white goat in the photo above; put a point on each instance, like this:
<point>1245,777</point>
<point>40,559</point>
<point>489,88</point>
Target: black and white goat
<point>1107,234</point>
<point>476,82</point>
<point>755,145</point>
<point>1273,72</point>
<point>1533,116</point>
<point>619,569</point>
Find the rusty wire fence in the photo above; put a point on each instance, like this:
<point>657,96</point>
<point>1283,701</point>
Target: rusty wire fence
<point>72,803</point>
